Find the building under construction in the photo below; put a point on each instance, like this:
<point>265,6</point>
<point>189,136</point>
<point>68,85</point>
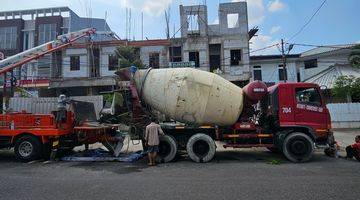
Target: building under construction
<point>88,67</point>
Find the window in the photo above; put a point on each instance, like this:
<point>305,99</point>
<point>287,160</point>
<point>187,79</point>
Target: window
<point>194,56</point>
<point>235,57</point>
<point>257,73</point>
<point>47,32</point>
<point>308,96</point>
<point>8,37</point>
<point>193,23</point>
<point>281,73</point>
<point>154,60</point>
<point>175,54</point>
<point>74,63</point>
<point>113,62</point>
<point>310,63</point>
<point>233,20</point>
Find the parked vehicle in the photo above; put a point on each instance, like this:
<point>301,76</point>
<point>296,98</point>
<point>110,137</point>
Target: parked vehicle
<point>291,118</point>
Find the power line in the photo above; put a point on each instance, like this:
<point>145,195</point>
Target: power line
<point>327,46</point>
<point>308,22</point>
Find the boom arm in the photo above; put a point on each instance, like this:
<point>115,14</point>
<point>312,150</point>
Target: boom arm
<point>61,42</point>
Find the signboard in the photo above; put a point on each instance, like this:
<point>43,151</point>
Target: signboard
<point>2,56</point>
<point>181,64</point>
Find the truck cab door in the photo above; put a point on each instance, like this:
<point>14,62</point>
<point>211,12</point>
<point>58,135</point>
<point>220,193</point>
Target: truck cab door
<point>310,109</point>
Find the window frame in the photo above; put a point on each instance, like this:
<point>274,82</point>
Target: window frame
<point>112,58</point>
<point>197,58</point>
<point>280,74</point>
<point>8,37</point>
<point>316,91</point>
<point>72,63</point>
<point>235,59</point>
<point>309,64</point>
<point>257,68</point>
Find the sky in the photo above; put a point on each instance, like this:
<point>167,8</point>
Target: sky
<point>337,22</point>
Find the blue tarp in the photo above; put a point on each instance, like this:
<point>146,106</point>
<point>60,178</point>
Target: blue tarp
<point>100,155</point>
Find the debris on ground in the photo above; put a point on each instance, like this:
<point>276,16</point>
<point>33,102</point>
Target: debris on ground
<point>101,155</point>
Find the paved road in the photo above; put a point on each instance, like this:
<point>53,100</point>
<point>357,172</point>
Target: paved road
<point>243,174</point>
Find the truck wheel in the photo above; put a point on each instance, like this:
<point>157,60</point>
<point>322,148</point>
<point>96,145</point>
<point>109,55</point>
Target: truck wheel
<point>28,148</point>
<point>201,148</point>
<point>298,147</point>
<point>167,149</point>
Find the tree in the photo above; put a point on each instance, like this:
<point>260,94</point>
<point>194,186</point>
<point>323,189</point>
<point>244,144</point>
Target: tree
<point>128,56</point>
<point>347,87</point>
<point>354,57</point>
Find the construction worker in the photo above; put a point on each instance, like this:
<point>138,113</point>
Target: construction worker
<point>354,149</point>
<point>152,132</point>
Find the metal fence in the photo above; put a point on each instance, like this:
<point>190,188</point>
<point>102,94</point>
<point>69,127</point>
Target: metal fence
<point>46,105</point>
<point>345,115</point>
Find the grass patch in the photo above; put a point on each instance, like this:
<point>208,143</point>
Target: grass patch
<point>274,162</point>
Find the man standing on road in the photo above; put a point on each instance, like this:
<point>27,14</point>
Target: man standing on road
<point>152,132</point>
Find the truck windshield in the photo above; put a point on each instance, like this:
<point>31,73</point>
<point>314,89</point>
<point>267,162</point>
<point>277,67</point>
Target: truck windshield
<point>308,96</point>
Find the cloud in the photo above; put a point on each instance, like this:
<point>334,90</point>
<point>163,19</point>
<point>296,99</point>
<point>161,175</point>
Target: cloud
<point>275,29</point>
<point>262,41</point>
<point>276,5</point>
<point>156,7</point>
<point>256,11</point>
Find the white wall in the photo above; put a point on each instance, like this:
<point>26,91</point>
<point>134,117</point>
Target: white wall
<point>84,65</point>
<point>104,61</point>
<point>344,115</point>
<point>324,62</point>
<point>270,71</point>
<point>146,50</point>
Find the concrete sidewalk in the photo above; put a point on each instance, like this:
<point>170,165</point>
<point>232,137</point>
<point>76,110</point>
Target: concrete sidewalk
<point>346,137</point>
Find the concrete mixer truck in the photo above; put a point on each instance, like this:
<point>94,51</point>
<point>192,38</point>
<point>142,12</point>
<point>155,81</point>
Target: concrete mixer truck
<point>290,118</point>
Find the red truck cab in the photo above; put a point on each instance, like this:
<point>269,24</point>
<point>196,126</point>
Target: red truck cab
<point>301,105</point>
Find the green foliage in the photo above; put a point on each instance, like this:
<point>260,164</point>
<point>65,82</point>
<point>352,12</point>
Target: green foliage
<point>107,98</point>
<point>347,86</point>
<point>128,56</point>
<point>354,57</point>
<point>274,162</point>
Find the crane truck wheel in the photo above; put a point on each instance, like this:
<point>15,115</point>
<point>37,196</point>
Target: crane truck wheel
<point>28,148</point>
<point>167,149</point>
<point>298,147</point>
<point>201,148</point>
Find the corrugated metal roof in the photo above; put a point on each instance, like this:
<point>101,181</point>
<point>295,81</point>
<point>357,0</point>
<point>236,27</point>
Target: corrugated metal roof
<point>328,76</point>
<point>326,49</point>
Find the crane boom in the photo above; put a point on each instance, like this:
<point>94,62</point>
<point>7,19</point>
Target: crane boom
<point>61,42</point>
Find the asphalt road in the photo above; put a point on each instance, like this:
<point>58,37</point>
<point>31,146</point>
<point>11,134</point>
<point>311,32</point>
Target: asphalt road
<point>245,174</point>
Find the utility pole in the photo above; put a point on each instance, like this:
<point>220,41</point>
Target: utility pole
<point>283,60</point>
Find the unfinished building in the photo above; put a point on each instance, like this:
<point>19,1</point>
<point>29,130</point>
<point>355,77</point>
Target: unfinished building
<point>222,48</point>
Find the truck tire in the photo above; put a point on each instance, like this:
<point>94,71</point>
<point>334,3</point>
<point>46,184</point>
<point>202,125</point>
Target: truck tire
<point>201,148</point>
<point>28,148</point>
<point>298,147</point>
<point>167,149</point>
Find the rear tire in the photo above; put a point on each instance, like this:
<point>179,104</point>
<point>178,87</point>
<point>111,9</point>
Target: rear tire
<point>167,149</point>
<point>298,147</point>
<point>28,148</point>
<point>201,148</point>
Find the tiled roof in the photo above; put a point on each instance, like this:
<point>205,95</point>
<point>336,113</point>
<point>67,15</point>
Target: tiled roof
<point>328,76</point>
